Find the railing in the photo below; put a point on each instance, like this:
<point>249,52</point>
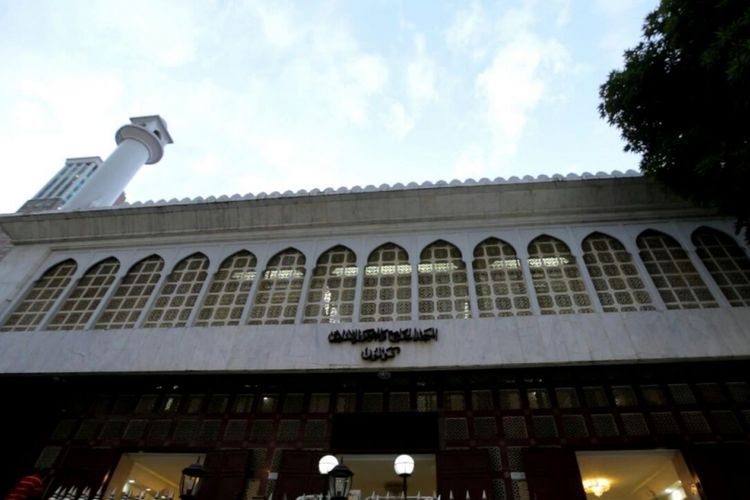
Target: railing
<point>388,496</point>
<point>87,493</point>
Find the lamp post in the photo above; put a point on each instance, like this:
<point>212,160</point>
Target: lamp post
<point>339,482</point>
<point>192,480</point>
<point>404,466</point>
<point>325,465</point>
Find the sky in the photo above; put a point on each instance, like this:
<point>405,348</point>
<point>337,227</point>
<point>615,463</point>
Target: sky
<point>275,96</point>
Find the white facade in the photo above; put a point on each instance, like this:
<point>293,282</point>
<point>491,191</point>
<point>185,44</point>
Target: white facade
<point>707,325</point>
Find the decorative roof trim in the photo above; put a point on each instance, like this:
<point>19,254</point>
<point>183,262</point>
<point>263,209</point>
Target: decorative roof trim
<point>484,181</point>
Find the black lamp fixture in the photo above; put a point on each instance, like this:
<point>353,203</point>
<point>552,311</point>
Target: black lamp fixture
<point>325,465</point>
<point>339,482</point>
<point>192,480</point>
<point>404,466</point>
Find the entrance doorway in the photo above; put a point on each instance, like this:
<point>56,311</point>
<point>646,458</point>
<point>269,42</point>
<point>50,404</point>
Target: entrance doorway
<point>155,476</point>
<point>636,475</point>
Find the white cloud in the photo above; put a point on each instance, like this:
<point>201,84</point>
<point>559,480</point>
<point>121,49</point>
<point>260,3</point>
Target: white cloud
<point>421,73</point>
<point>514,84</point>
<point>398,121</point>
<point>468,28</point>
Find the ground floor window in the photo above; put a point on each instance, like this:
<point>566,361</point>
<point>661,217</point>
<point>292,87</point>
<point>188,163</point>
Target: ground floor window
<point>636,475</point>
<point>151,476</point>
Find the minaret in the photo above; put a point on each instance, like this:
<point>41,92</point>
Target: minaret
<point>141,141</point>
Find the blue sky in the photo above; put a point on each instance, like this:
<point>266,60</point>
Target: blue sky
<point>276,96</point>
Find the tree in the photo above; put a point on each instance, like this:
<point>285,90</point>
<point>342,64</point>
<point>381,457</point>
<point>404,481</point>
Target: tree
<point>683,102</point>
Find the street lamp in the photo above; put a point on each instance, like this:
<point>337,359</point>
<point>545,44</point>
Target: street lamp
<point>339,482</point>
<point>192,480</point>
<point>404,466</point>
<point>325,465</point>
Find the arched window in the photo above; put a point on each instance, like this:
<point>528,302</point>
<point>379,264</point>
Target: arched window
<point>128,301</point>
<point>498,276</point>
<point>279,290</point>
<point>386,290</point>
<point>672,272</point>
<point>331,295</point>
<point>178,295</point>
<point>557,280</point>
<point>228,293</point>
<point>42,296</point>
<point>442,281</point>
<point>727,263</point>
<point>615,277</point>
<point>88,293</point>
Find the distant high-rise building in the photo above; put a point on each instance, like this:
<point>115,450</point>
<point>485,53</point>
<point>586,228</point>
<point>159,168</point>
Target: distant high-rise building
<point>64,185</point>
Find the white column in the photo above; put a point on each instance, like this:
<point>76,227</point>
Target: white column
<point>106,184</point>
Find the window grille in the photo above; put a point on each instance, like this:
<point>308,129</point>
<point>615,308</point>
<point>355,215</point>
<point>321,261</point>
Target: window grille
<point>615,277</point>
<point>557,280</point>
<point>727,263</point>
<point>42,296</point>
<point>228,292</point>
<point>674,276</point>
<point>78,307</point>
<point>279,290</point>
<point>443,284</point>
<point>331,292</point>
<point>131,296</point>
<point>386,291</point>
<point>498,276</point>
<point>178,295</point>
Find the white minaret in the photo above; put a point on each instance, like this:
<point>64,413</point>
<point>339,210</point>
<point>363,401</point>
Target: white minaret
<point>141,141</point>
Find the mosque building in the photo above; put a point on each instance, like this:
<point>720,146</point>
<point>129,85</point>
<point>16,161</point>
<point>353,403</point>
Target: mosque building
<point>563,337</point>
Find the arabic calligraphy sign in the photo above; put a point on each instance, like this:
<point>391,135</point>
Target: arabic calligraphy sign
<point>381,335</point>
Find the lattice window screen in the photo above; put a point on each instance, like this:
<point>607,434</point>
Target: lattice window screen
<point>279,290</point>
<point>78,307</point>
<point>331,293</point>
<point>498,275</point>
<point>175,302</point>
<point>674,276</point>
<point>228,292</point>
<point>443,284</point>
<point>42,296</point>
<point>557,280</point>
<point>727,263</point>
<point>386,292</point>
<point>128,301</point>
<point>615,277</point>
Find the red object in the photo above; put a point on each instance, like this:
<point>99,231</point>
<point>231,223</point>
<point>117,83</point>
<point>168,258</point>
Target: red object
<point>27,487</point>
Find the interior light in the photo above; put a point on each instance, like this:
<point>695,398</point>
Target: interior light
<point>131,481</point>
<point>597,486</point>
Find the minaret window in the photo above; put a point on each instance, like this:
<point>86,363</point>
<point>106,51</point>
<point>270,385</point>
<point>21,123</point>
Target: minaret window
<point>727,263</point>
<point>615,277</point>
<point>330,298</point>
<point>32,309</point>
<point>88,293</point>
<point>498,276</point>
<point>179,293</point>
<point>279,290</point>
<point>386,291</point>
<point>443,284</point>
<point>672,272</point>
<point>228,293</point>
<point>557,281</point>
<point>128,301</point>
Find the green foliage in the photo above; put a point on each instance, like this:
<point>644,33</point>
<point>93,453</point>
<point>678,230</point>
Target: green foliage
<point>682,101</point>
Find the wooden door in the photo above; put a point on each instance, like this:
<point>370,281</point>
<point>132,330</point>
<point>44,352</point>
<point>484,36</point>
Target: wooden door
<point>298,474</point>
<point>461,471</point>
<point>227,475</point>
<point>83,467</point>
<point>722,470</point>
<point>552,474</point>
